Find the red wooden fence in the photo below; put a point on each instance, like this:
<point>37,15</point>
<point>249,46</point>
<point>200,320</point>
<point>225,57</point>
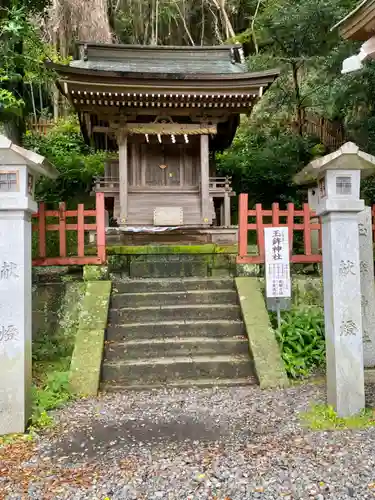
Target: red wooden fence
<point>41,225</point>
<point>276,218</point>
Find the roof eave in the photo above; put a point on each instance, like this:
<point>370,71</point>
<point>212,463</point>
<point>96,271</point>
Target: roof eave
<point>354,26</point>
<point>182,48</point>
<point>271,75</point>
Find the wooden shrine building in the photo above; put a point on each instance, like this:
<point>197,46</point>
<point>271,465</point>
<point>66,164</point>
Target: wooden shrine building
<point>166,110</point>
<point>359,25</point>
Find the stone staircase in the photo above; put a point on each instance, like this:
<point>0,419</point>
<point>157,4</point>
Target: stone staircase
<point>175,332</point>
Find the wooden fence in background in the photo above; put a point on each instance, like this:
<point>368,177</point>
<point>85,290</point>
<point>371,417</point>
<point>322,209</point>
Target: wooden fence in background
<point>63,221</point>
<point>41,125</point>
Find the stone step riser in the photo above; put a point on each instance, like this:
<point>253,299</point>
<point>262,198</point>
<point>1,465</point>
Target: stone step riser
<point>183,384</point>
<point>140,286</point>
<point>178,298</point>
<point>126,352</point>
<point>162,330</point>
<point>148,315</point>
<point>140,374</point>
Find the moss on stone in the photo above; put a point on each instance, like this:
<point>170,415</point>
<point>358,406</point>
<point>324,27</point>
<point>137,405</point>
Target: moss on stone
<point>171,249</point>
<point>88,349</point>
<point>95,273</point>
<point>86,361</point>
<point>263,345</point>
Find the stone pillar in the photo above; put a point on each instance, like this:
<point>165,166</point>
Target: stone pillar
<point>122,139</point>
<point>342,310</point>
<point>205,178</point>
<point>18,171</point>
<point>15,320</point>
<point>366,258</point>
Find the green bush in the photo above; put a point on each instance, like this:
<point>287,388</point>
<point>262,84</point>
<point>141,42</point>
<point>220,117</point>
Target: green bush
<point>301,339</point>
<point>53,393</point>
<point>77,163</point>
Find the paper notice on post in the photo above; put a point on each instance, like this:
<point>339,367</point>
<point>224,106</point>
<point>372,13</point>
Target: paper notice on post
<point>277,263</point>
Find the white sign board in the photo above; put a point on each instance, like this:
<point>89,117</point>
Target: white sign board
<point>277,264</point>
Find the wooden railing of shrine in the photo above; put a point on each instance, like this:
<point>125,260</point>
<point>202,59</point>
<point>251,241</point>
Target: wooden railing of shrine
<point>298,221</point>
<point>63,222</point>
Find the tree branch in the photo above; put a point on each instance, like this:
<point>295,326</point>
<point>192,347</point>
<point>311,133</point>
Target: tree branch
<point>184,23</point>
<point>253,26</point>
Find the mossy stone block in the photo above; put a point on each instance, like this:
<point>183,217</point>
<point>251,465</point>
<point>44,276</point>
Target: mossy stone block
<point>263,344</point>
<point>95,273</point>
<point>86,361</point>
<point>89,344</point>
<point>250,270</point>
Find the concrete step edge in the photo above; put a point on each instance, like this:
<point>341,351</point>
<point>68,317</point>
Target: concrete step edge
<point>170,294</point>
<point>192,279</point>
<point>234,358</point>
<point>183,384</point>
<point>211,322</point>
<point>184,306</point>
<point>180,340</point>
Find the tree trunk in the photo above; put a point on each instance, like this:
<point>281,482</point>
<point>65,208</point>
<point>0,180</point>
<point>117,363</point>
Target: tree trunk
<point>297,92</point>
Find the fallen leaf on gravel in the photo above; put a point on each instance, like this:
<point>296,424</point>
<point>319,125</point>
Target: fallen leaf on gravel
<point>18,474</point>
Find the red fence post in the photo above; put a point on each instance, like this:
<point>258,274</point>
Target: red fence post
<point>290,224</point>
<point>42,230</point>
<point>242,224</point>
<point>307,229</point>
<point>275,215</point>
<point>260,230</point>
<point>62,228</point>
<point>100,227</point>
<point>81,230</point>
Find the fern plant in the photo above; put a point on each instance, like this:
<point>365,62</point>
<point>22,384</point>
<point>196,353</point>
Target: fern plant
<point>301,339</point>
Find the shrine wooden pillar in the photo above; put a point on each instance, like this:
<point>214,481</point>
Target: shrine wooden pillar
<point>122,140</point>
<point>227,221</point>
<point>205,179</point>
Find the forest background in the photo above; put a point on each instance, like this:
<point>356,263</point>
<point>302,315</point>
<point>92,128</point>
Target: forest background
<point>270,146</point>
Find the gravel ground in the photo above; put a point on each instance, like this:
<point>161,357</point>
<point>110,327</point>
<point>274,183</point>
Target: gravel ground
<point>222,444</point>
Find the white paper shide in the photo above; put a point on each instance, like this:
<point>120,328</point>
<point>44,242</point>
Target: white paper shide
<point>277,262</point>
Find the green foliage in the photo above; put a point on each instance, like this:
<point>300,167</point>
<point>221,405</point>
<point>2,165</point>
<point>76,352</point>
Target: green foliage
<point>9,104</point>
<point>77,163</point>
<point>51,394</point>
<point>324,418</point>
<point>52,354</point>
<point>262,163</point>
<point>300,29</point>
<point>301,339</point>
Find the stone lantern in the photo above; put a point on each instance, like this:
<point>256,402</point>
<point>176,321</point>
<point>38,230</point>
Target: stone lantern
<point>19,170</point>
<point>337,178</point>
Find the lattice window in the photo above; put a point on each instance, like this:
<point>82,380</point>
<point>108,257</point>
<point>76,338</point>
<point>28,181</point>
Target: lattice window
<point>344,185</point>
<point>8,181</point>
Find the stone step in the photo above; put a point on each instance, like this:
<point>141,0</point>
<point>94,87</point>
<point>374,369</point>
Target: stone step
<point>171,285</point>
<point>173,298</point>
<point>177,312</point>
<point>161,370</point>
<point>172,329</point>
<point>169,266</point>
<point>159,348</point>
<point>182,384</point>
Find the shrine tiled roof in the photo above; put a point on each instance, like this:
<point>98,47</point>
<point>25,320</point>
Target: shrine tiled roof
<point>220,60</point>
